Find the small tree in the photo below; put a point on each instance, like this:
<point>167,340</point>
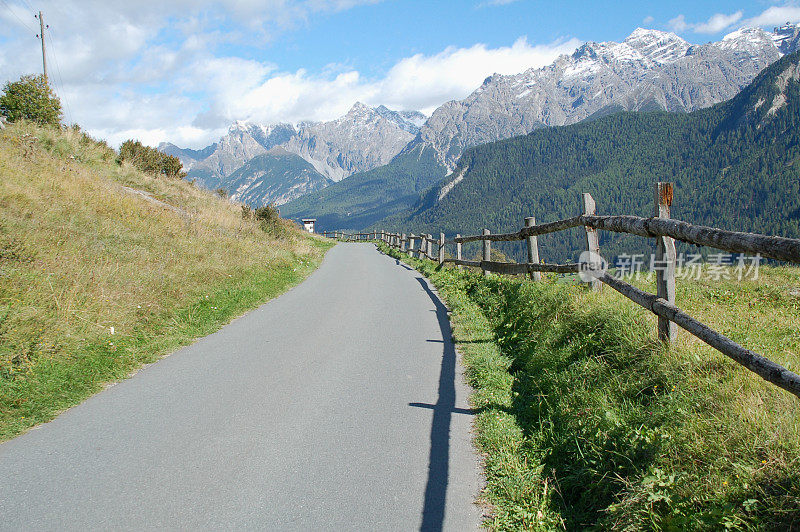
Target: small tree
<point>30,98</point>
<point>150,160</point>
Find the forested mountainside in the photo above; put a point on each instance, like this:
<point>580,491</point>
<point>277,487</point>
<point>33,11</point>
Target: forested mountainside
<point>277,175</point>
<point>735,165</point>
<point>365,198</point>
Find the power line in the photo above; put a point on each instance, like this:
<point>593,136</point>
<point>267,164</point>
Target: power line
<point>70,117</point>
<point>11,10</point>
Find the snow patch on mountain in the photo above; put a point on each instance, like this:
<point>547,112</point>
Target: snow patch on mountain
<point>648,70</point>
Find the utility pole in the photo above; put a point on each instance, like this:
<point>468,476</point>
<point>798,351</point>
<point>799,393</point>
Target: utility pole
<point>41,36</point>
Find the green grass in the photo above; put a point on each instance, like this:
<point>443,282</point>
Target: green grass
<point>95,282</point>
<point>586,421</point>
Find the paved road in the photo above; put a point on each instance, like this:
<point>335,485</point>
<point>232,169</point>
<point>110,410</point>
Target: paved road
<point>338,406</point>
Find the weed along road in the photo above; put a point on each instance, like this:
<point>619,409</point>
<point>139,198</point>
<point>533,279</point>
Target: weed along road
<point>339,405</point>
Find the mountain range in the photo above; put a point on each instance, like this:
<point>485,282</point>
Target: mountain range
<point>381,160</point>
<point>735,165</point>
<point>650,70</point>
<point>362,139</point>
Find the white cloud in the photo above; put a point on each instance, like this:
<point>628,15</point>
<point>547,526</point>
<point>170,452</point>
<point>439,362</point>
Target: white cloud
<point>424,82</point>
<point>153,70</point>
<point>678,24</point>
<point>775,16</point>
<point>715,24</point>
<point>772,16</point>
<point>649,19</point>
<point>419,82</point>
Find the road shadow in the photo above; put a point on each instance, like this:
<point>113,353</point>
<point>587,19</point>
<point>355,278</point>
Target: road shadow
<point>439,458</point>
<point>403,265</point>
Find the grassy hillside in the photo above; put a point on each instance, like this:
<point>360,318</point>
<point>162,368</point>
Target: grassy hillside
<point>97,279</point>
<point>735,165</point>
<point>367,197</point>
<point>585,420</point>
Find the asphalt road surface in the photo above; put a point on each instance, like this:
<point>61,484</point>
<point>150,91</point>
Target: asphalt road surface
<point>338,406</point>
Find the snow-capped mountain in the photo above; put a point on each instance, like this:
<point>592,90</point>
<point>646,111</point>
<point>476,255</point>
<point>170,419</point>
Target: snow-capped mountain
<point>362,139</point>
<point>649,70</point>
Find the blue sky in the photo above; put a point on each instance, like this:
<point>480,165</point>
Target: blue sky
<point>184,70</point>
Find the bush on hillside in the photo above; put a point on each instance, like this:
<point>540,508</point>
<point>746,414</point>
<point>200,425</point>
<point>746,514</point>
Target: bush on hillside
<point>269,219</point>
<point>150,160</point>
<point>30,98</point>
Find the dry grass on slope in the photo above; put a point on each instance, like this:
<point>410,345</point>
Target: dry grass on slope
<point>95,280</point>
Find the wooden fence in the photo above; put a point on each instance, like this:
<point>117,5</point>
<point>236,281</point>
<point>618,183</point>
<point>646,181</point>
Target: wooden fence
<point>661,227</point>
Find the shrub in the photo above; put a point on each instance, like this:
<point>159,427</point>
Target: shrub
<point>150,160</point>
<point>270,220</point>
<point>30,98</point>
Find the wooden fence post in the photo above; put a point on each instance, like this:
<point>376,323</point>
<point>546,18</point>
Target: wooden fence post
<point>487,251</point>
<point>533,248</point>
<point>423,245</point>
<point>665,262</point>
<point>458,251</point>
<point>410,245</point>
<point>441,249</point>
<point>592,239</point>
<point>429,251</point>
<point>403,242</point>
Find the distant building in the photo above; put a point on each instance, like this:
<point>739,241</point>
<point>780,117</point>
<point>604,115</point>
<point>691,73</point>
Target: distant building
<point>308,224</point>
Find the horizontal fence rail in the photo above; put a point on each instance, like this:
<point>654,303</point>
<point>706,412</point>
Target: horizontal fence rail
<point>660,227</point>
<point>773,247</point>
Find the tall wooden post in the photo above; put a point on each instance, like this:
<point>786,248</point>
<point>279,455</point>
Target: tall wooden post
<point>487,251</point>
<point>403,242</point>
<point>458,251</point>
<point>665,261</point>
<point>533,248</point>
<point>592,239</point>
<point>441,249</point>
<point>430,247</point>
<point>44,55</point>
<point>411,245</point>
<point>423,245</point>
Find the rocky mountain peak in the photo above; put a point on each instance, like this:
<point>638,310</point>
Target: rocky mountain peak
<point>359,110</point>
<point>786,37</point>
<point>650,70</point>
<point>409,121</point>
<point>660,46</point>
<point>360,140</point>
